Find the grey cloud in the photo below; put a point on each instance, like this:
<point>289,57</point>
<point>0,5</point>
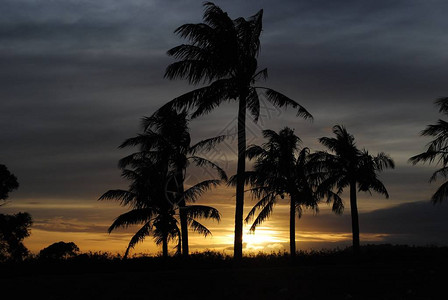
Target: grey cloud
<point>76,77</point>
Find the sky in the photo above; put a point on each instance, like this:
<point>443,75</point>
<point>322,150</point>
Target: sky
<point>76,77</point>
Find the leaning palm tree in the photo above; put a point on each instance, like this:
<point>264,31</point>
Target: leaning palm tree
<point>437,149</point>
<point>222,54</point>
<point>353,168</point>
<point>166,136</point>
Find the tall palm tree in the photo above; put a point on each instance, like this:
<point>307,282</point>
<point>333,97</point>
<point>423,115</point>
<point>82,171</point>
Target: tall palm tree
<point>166,136</point>
<point>437,149</point>
<point>281,167</point>
<point>353,168</point>
<point>222,54</point>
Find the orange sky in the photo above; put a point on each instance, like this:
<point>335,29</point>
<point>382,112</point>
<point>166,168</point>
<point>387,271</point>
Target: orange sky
<point>86,225</point>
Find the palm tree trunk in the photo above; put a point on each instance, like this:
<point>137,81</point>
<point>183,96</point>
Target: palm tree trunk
<point>165,247</point>
<point>355,221</point>
<point>292,227</point>
<point>241,169</point>
<point>183,217</point>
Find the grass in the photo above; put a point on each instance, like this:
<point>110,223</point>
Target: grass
<point>381,272</point>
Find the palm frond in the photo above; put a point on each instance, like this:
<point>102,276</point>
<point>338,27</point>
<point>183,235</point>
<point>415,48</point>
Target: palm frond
<point>264,214</point>
<point>133,217</point>
<point>280,100</point>
<point>443,105</point>
<point>197,190</point>
<point>139,236</point>
<point>202,162</point>
<point>253,104</point>
<point>440,172</point>
<point>260,205</point>
<point>125,197</point>
<point>441,194</point>
<point>198,227</point>
<point>207,144</point>
<point>202,211</point>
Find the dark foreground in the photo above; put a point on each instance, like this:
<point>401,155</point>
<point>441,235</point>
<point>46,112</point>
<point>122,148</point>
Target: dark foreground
<point>381,272</point>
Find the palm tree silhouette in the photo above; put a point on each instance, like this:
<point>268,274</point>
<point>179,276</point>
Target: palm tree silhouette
<point>278,170</point>
<point>166,142</point>
<point>437,149</point>
<point>223,54</point>
<point>146,198</point>
<point>172,127</point>
<point>353,168</point>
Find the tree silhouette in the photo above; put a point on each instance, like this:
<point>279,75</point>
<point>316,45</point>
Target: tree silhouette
<point>223,54</point>
<point>437,150</point>
<point>59,250</point>
<point>146,198</point>
<point>165,147</point>
<point>13,229</point>
<point>8,183</point>
<point>353,168</point>
<point>281,168</point>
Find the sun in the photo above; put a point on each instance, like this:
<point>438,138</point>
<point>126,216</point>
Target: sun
<point>264,239</point>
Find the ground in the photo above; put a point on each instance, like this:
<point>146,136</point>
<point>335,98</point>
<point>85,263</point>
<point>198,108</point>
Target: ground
<point>379,273</point>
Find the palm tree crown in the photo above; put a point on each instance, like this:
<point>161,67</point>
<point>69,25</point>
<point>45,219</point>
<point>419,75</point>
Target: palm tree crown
<point>437,150</point>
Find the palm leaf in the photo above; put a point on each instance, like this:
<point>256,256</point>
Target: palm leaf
<point>207,144</point>
<point>264,214</point>
<point>197,190</point>
<point>202,211</point>
<point>139,236</point>
<point>280,100</point>
<point>198,227</point>
<point>133,217</point>
<point>202,162</point>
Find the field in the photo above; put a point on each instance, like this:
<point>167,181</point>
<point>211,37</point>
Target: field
<point>381,272</point>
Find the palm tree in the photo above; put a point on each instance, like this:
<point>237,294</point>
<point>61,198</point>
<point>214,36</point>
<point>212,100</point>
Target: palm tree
<point>223,54</point>
<point>353,168</point>
<point>437,149</point>
<point>166,138</point>
<point>145,197</point>
<point>280,168</point>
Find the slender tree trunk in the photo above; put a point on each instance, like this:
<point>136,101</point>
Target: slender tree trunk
<point>183,216</point>
<point>165,247</point>
<point>292,227</point>
<point>241,169</point>
<point>355,221</point>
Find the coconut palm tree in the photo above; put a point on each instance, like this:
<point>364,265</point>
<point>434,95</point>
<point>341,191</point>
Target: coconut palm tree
<point>281,168</point>
<point>222,54</point>
<point>166,137</point>
<point>437,149</point>
<point>146,197</point>
<point>350,167</point>
<point>148,206</point>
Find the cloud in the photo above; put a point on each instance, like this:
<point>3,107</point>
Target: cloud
<point>77,76</point>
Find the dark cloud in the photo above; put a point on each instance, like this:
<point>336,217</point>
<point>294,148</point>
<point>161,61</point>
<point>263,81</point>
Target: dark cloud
<point>416,223</point>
